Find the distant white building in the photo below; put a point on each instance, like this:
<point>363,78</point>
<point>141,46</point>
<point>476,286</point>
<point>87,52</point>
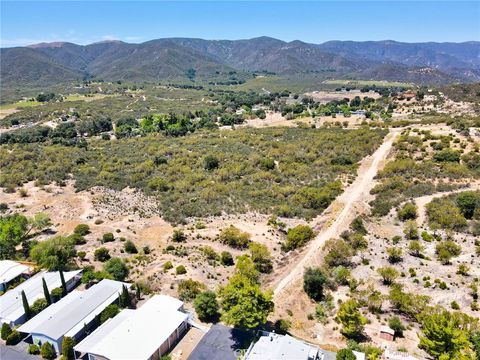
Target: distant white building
<point>72,315</point>
<point>271,346</point>
<point>11,271</point>
<point>11,306</point>
<point>142,334</point>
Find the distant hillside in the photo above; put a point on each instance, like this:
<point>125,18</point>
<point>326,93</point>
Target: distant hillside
<point>152,61</point>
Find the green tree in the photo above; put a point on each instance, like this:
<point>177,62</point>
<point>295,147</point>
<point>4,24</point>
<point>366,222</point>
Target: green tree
<point>234,237</point>
<point>117,268</point>
<point>125,300</point>
<point>396,325</point>
<point>38,306</point>
<point>109,312</point>
<point>26,306</point>
<point>226,258</point>
<point>388,274</point>
<point>351,319</point>
<point>210,162</point>
<point>64,284</point>
<point>54,254</point>
<point>298,237</point>
<point>261,257</point>
<point>189,289</point>
<point>314,280</point>
<point>6,330</point>
<point>445,334</point>
<point>47,351</point>
<point>206,306</point>
<point>446,250</point>
<point>46,292</point>
<point>82,229</point>
<point>101,254</point>
<point>13,229</point>
<point>244,304</point>
<point>407,212</point>
<point>67,348</point>
<point>345,354</point>
<point>468,202</point>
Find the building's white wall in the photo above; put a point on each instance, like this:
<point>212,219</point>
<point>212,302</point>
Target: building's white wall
<point>40,339</point>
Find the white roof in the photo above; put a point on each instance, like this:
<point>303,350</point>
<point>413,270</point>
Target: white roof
<point>386,329</point>
<point>68,316</point>
<point>136,334</point>
<point>9,270</point>
<point>273,346</point>
<point>11,307</point>
<point>359,355</point>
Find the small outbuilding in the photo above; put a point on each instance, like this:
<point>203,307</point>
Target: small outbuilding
<point>11,306</point>
<point>387,334</point>
<point>73,315</point>
<point>143,334</point>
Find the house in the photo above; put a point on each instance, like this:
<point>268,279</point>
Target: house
<point>11,306</point>
<point>142,334</point>
<point>11,271</point>
<point>222,343</point>
<point>271,346</point>
<point>386,333</point>
<point>73,315</point>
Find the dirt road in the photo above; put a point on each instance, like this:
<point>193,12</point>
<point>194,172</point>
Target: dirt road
<point>343,210</point>
<point>421,202</point>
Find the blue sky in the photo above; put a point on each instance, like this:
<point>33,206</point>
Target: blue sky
<point>83,22</point>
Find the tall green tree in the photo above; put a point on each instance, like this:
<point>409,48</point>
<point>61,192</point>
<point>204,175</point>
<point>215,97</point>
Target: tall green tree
<point>244,304</point>
<point>67,348</point>
<point>351,319</point>
<point>125,300</point>
<point>446,334</point>
<point>12,231</point>
<point>26,306</point>
<point>64,284</point>
<point>46,293</point>
<point>54,254</point>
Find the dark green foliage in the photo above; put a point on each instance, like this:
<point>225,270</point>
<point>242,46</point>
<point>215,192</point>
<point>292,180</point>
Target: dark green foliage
<point>189,289</point>
<point>26,306</point>
<point>54,254</point>
<point>210,162</point>
<point>282,326</point>
<point>13,229</point>
<point>38,306</point>
<point>469,203</point>
<point>101,254</point>
<point>407,212</point>
<point>396,325</point>
<point>109,312</point>
<point>67,348</point>
<point>293,188</point>
<point>117,268</point>
<point>298,237</point>
<point>130,247</point>
<point>314,282</point>
<point>56,294</point>
<point>226,258</point>
<point>108,237</point>
<point>345,354</point>
<point>261,257</point>
<point>6,330</point>
<point>447,155</point>
<point>358,226</point>
<point>267,164</point>
<point>64,284</point>
<point>234,237</point>
<point>82,229</point>
<point>33,349</point>
<point>206,306</point>
<point>125,300</point>
<point>13,338</point>
<point>47,351</point>
<point>178,236</point>
<point>46,292</point>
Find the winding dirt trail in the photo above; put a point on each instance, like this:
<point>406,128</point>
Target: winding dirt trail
<point>421,202</point>
<point>342,210</point>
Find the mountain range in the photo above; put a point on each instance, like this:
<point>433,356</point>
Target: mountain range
<point>172,58</point>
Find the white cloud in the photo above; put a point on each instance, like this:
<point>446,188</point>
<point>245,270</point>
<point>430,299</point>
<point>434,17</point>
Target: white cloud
<point>109,37</point>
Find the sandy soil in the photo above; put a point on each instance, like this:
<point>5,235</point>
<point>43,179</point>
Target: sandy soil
<point>5,112</point>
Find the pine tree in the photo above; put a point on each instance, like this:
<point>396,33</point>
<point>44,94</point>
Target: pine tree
<point>64,284</point>
<point>26,307</point>
<point>125,299</point>
<point>46,293</point>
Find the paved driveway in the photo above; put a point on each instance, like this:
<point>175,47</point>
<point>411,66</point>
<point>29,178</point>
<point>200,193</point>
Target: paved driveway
<point>17,352</point>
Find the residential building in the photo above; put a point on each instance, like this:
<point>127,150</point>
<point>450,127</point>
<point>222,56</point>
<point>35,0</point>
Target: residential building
<point>73,315</point>
<point>11,271</point>
<point>272,346</point>
<point>11,306</point>
<point>142,334</point>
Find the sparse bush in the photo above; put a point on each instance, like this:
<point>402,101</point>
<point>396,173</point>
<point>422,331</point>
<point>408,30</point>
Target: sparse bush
<point>298,237</point>
<point>101,254</point>
<point>180,270</point>
<point>167,266</point>
<point>227,258</point>
<point>108,237</point>
<point>130,247</point>
<point>189,289</point>
<point>407,212</point>
<point>178,236</point>
<point>388,274</point>
<point>82,229</point>
<point>234,237</point>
